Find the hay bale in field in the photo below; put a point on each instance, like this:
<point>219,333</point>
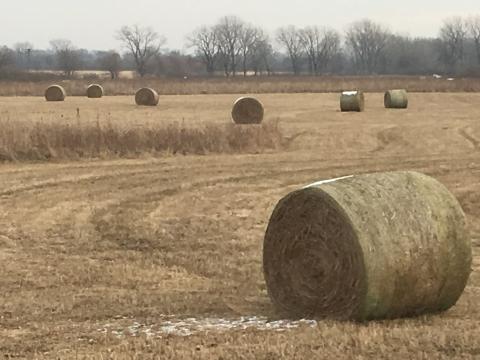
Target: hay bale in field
<point>94,91</point>
<point>146,97</point>
<point>364,247</point>
<point>247,110</point>
<point>55,93</point>
<point>352,101</point>
<point>396,99</point>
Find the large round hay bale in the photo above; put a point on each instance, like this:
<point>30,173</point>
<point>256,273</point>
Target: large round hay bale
<point>396,99</point>
<point>55,93</point>
<point>374,246</point>
<point>146,97</point>
<point>247,110</point>
<point>94,91</point>
<point>352,101</point>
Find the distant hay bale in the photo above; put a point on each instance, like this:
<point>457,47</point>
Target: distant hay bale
<point>247,110</point>
<point>352,101</point>
<point>396,99</point>
<point>94,91</point>
<point>365,247</point>
<point>55,93</point>
<point>146,97</point>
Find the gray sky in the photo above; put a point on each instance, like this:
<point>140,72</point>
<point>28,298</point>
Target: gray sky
<point>92,24</point>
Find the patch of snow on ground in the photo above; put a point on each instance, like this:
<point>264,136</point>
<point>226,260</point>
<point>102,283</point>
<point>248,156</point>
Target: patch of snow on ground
<point>191,326</point>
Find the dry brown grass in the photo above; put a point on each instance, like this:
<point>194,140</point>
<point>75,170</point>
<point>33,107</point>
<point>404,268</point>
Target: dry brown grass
<point>89,246</point>
<point>252,85</point>
<point>24,141</point>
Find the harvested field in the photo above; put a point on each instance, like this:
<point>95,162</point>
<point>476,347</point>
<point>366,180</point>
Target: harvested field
<point>161,256</point>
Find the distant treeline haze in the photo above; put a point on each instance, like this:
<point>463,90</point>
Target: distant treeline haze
<point>232,47</point>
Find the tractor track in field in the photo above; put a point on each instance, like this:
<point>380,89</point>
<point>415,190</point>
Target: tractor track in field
<point>470,138</point>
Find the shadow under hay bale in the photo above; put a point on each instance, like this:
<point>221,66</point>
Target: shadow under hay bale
<point>247,110</point>
<point>352,101</point>
<point>94,91</point>
<point>146,97</point>
<point>374,246</point>
<point>396,99</point>
<point>55,93</point>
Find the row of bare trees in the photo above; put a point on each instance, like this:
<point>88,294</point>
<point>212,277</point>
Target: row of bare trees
<point>319,45</point>
<point>233,46</point>
<point>453,35</point>
<point>365,44</point>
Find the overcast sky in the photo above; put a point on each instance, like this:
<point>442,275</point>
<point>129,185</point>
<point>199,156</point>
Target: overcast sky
<point>92,24</point>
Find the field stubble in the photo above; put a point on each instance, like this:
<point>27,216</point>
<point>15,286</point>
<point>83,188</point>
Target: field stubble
<point>93,249</point>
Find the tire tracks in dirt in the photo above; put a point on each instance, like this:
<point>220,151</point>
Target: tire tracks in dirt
<point>470,138</point>
<point>386,137</point>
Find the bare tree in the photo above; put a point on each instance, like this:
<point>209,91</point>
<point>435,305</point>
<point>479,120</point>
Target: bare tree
<point>473,26</point>
<point>23,54</point>
<point>367,41</point>
<point>143,43</point>
<point>262,56</point>
<point>229,31</point>
<point>330,47</point>
<point>289,37</point>
<point>320,45</point>
<point>205,42</point>
<point>67,56</point>
<point>453,34</point>
<point>249,40</point>
<point>111,61</point>
<point>6,57</point>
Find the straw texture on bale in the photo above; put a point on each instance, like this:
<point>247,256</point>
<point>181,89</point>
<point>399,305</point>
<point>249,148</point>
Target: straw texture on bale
<point>247,110</point>
<point>365,247</point>
<point>352,101</point>
<point>55,93</point>
<point>94,91</point>
<point>146,97</point>
<point>396,99</point>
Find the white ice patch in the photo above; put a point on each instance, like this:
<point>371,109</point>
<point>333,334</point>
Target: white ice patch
<point>191,326</point>
<point>350,93</point>
<point>328,181</point>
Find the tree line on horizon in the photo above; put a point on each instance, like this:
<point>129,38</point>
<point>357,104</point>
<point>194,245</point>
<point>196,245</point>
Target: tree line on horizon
<point>233,47</point>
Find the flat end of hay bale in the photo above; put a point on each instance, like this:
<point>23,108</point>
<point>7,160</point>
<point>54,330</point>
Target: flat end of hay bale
<point>313,267</point>
<point>247,110</point>
<point>94,91</point>
<point>55,93</point>
<point>396,99</point>
<point>353,100</point>
<point>146,97</point>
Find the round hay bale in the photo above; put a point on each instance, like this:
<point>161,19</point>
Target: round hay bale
<point>352,101</point>
<point>146,97</point>
<point>94,91</point>
<point>396,99</point>
<point>247,110</point>
<point>55,93</point>
<point>364,247</point>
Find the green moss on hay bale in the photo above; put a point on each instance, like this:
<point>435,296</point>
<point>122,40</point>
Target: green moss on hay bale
<point>352,101</point>
<point>94,91</point>
<point>374,246</point>
<point>55,93</point>
<point>247,110</point>
<point>146,97</point>
<point>396,99</point>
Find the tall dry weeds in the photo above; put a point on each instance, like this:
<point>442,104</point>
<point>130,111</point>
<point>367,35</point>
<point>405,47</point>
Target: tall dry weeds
<point>249,85</point>
<point>26,141</point>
